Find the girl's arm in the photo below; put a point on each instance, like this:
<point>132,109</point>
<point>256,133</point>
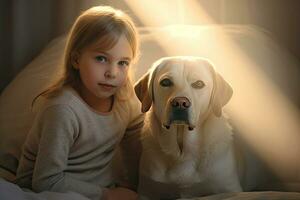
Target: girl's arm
<point>131,146</point>
<point>56,131</point>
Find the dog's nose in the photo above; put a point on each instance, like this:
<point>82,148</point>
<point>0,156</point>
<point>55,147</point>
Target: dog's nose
<point>181,102</point>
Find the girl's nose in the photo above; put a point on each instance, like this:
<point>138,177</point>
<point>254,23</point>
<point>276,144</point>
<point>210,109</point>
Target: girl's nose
<point>111,72</point>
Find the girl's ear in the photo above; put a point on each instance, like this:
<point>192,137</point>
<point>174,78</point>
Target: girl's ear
<point>75,60</point>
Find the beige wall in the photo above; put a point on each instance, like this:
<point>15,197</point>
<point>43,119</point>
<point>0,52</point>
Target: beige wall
<point>26,26</point>
<point>281,17</point>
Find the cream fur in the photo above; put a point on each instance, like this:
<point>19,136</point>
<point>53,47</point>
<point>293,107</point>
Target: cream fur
<point>182,162</point>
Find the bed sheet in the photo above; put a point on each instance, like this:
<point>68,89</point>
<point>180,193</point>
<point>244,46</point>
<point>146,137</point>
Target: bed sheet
<point>266,195</point>
<point>10,191</point>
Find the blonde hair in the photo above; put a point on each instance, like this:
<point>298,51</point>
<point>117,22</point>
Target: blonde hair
<point>101,23</point>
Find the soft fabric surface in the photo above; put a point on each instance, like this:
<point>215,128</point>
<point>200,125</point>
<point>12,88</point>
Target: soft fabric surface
<point>9,191</point>
<point>251,196</point>
<point>15,104</point>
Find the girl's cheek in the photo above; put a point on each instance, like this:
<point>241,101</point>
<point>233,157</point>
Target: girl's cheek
<point>125,79</point>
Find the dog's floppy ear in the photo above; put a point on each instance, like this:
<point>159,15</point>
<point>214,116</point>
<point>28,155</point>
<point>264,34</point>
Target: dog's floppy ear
<point>141,89</point>
<point>221,94</point>
<point>144,86</point>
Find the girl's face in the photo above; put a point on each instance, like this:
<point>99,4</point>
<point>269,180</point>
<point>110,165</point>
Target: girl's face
<point>104,72</point>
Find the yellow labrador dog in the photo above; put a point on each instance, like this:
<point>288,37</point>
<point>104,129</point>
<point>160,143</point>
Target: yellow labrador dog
<point>187,147</point>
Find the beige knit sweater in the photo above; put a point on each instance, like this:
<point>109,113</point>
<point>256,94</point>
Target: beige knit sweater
<point>70,146</point>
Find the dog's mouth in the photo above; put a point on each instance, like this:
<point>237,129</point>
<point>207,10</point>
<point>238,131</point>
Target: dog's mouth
<point>180,121</point>
<point>189,126</point>
<point>178,117</point>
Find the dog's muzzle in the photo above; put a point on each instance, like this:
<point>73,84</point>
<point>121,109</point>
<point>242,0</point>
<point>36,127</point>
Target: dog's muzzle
<point>179,113</point>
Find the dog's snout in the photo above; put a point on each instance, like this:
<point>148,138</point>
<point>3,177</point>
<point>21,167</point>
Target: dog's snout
<point>181,102</point>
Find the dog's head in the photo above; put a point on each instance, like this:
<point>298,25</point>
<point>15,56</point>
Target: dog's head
<point>182,90</point>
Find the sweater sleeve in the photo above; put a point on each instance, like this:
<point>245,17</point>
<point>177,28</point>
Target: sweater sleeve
<point>131,144</point>
<point>58,128</point>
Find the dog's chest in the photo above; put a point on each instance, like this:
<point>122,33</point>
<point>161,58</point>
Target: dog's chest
<point>177,180</point>
<point>185,173</point>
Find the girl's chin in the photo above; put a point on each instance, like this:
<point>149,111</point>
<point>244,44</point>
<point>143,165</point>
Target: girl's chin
<point>105,94</point>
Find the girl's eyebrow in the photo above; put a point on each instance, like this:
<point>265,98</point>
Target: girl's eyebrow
<point>126,58</point>
<point>100,51</point>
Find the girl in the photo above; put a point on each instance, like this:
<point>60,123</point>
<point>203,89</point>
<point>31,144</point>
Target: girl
<point>87,113</point>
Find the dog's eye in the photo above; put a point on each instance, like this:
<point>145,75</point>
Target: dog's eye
<point>166,82</point>
<point>198,84</point>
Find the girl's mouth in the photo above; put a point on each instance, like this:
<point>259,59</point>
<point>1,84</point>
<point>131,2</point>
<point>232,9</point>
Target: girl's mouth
<point>106,86</point>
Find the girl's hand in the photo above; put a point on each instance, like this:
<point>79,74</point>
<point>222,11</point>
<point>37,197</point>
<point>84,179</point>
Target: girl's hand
<point>119,193</point>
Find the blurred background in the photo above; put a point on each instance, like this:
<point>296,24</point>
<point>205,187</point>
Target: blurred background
<point>26,26</point>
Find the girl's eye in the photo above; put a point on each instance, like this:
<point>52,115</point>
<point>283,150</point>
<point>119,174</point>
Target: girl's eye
<point>166,82</point>
<point>123,63</point>
<point>101,58</point>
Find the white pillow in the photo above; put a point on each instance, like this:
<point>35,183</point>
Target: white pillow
<point>206,41</point>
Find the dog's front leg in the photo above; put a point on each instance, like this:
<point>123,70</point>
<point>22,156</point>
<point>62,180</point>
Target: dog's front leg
<point>225,174</point>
